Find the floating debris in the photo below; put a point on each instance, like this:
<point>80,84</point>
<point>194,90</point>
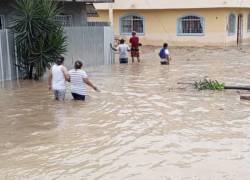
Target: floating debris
<point>208,84</point>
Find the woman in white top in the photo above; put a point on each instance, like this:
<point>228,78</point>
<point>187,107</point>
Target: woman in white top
<point>78,79</point>
<point>58,76</point>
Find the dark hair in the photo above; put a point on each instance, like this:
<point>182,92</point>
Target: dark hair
<point>122,41</point>
<point>165,45</point>
<point>133,33</point>
<point>78,65</point>
<point>60,60</point>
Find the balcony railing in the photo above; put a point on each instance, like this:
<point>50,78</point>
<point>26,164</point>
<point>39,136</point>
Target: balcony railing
<point>98,24</point>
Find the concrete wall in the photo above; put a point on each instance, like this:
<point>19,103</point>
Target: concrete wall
<point>161,26</point>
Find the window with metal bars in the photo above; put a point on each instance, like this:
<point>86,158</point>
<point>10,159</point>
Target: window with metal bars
<point>131,23</point>
<point>190,25</point>
<point>231,24</point>
<point>64,20</point>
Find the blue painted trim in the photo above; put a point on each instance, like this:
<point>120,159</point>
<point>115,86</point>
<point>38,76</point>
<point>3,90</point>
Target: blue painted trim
<point>191,34</point>
<point>129,33</point>
<point>178,21</point>
<point>235,24</point>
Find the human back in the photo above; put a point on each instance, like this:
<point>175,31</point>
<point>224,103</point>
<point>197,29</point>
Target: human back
<point>164,54</point>
<point>58,80</point>
<point>77,83</point>
<point>135,52</point>
<point>134,40</point>
<point>78,79</point>
<point>123,50</point>
<point>58,75</point>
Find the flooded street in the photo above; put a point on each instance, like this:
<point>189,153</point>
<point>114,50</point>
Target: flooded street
<point>145,124</point>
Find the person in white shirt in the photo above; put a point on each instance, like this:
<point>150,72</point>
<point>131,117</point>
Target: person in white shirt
<point>78,79</point>
<point>58,75</point>
<point>123,49</point>
<point>164,54</point>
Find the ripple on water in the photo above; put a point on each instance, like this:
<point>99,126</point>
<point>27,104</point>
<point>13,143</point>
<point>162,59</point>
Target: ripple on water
<point>143,125</point>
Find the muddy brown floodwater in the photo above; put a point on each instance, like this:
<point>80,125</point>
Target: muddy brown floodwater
<point>142,126</point>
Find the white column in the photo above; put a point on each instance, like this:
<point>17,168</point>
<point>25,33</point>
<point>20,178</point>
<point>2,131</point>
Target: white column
<point>111,15</point>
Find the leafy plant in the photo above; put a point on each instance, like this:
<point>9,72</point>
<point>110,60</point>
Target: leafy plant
<point>207,84</point>
<point>39,39</point>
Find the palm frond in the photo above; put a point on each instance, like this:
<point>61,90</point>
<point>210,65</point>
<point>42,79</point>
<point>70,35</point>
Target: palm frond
<point>39,39</point>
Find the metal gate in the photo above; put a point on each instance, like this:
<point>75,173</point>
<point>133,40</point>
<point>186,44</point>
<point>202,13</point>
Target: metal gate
<point>8,70</point>
<point>90,44</point>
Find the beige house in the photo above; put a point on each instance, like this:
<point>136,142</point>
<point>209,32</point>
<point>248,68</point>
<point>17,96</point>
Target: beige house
<point>180,22</point>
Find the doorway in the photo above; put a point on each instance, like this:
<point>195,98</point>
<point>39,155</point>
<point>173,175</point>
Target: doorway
<point>240,29</point>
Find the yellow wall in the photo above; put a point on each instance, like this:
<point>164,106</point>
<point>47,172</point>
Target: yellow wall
<point>161,26</point>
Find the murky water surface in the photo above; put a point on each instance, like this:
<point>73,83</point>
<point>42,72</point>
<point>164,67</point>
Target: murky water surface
<point>142,126</point>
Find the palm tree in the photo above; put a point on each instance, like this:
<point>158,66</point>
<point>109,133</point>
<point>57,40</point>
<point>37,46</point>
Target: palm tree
<point>39,39</point>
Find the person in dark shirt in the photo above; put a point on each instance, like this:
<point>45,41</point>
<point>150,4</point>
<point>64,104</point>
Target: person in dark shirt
<point>134,41</point>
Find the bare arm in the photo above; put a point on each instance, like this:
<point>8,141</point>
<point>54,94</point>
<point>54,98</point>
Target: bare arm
<point>65,73</point>
<point>50,79</point>
<point>87,81</point>
<point>113,48</point>
<point>168,57</point>
<point>128,49</point>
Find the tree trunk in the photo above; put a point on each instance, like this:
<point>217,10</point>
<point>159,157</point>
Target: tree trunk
<point>237,87</point>
<point>31,71</point>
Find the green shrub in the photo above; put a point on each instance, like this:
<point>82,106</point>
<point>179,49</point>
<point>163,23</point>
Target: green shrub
<point>39,39</point>
<point>209,85</point>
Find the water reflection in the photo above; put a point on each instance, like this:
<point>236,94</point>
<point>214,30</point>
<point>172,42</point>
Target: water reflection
<point>143,124</point>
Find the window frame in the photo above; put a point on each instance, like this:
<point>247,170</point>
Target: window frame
<point>178,25</point>
<point>248,22</point>
<point>61,17</point>
<point>2,19</point>
<point>235,24</point>
<point>129,33</point>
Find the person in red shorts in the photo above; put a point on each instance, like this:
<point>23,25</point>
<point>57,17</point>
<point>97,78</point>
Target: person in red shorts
<point>134,41</point>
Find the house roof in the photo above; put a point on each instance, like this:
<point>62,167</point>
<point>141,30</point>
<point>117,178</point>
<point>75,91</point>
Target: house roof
<point>174,4</point>
<point>91,11</point>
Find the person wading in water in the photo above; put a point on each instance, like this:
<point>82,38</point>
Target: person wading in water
<point>164,54</point>
<point>134,41</point>
<point>78,79</point>
<point>123,49</point>
<point>58,75</point>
